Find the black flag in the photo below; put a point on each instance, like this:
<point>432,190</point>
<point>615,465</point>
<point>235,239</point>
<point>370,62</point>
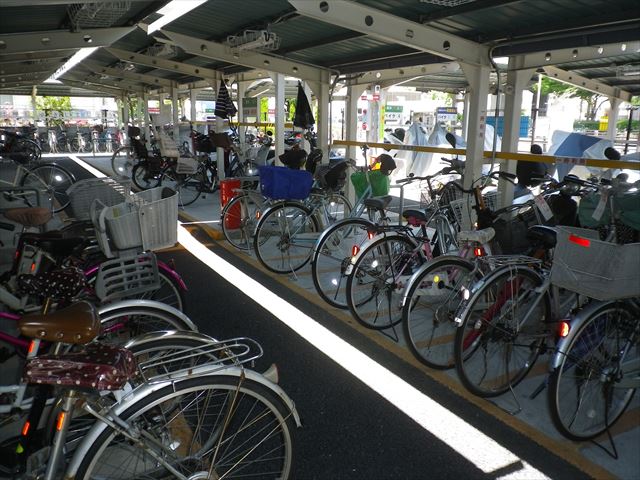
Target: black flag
<point>224,106</point>
<point>304,115</point>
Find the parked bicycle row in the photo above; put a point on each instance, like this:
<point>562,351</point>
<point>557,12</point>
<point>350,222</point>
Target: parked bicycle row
<point>481,289</point>
<point>111,381</point>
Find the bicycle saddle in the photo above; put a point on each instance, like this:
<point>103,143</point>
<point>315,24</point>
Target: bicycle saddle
<point>29,216</point>
<point>414,217</point>
<point>101,367</point>
<point>78,323</point>
<point>479,236</point>
<point>378,203</point>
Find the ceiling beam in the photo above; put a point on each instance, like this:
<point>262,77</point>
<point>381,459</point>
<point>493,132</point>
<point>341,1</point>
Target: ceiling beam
<point>394,29</point>
<point>219,51</point>
<point>28,75</point>
<point>88,78</point>
<point>296,47</point>
<point>34,57</point>
<point>586,83</point>
<point>28,68</point>
<point>61,39</point>
<point>569,55</point>
<point>447,12</point>
<point>164,64</point>
<point>128,75</point>
<point>111,91</point>
<point>403,74</point>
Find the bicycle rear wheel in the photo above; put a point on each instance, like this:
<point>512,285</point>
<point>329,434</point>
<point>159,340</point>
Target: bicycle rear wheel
<point>52,182</point>
<point>502,332</point>
<point>238,220</point>
<point>375,285</point>
<point>430,307</point>
<point>285,237</point>
<point>122,161</point>
<point>188,187</point>
<point>338,207</point>
<point>586,396</point>
<point>215,426</point>
<point>331,258</point>
<point>143,177</point>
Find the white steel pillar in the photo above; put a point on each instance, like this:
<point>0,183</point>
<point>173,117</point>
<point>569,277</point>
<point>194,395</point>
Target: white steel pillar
<point>219,129</point>
<point>323,118</point>
<point>465,114</point>
<point>125,111</point>
<point>242,88</point>
<point>613,118</point>
<point>516,82</point>
<point>193,97</point>
<point>175,119</point>
<point>478,78</point>
<point>279,82</point>
<point>34,109</point>
<point>145,116</point>
<point>351,118</point>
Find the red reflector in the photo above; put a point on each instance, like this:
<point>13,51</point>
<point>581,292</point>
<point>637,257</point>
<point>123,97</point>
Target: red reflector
<point>17,254</point>
<point>355,250</point>
<point>563,329</point>
<point>25,428</point>
<point>60,421</point>
<point>478,252</point>
<point>583,242</point>
<point>371,235</point>
<point>33,266</point>
<point>32,346</point>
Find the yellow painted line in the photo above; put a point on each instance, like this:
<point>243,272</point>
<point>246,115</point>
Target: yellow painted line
<point>568,450</point>
<point>527,157</point>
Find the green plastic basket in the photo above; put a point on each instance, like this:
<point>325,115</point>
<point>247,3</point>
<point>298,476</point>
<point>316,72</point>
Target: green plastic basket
<point>380,183</point>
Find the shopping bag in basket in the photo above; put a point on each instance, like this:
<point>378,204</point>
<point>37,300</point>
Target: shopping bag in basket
<point>282,183</point>
<point>380,183</point>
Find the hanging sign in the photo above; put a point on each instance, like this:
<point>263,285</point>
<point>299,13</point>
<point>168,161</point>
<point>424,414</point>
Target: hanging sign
<point>446,114</point>
<point>250,107</point>
<point>393,113</point>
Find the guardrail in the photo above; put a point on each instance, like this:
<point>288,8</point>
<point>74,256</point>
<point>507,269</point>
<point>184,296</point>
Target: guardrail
<point>527,157</point>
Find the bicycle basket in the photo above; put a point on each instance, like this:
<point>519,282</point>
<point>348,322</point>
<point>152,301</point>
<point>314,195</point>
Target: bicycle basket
<point>127,277</point>
<point>187,165</point>
<point>332,177</point>
<point>380,183</point>
<point>107,190</point>
<point>145,221</point>
<point>282,183</point>
<point>591,267</point>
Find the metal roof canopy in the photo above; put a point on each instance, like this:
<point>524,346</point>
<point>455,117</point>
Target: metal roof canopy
<point>363,39</point>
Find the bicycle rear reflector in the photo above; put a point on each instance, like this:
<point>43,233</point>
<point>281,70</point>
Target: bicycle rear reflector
<point>25,428</point>
<point>478,252</point>
<point>371,234</point>
<point>583,242</point>
<point>60,421</point>
<point>355,250</point>
<point>563,329</point>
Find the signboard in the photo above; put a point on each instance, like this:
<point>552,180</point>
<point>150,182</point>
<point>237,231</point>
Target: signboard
<point>250,107</point>
<point>446,114</point>
<point>393,114</point>
<point>154,107</point>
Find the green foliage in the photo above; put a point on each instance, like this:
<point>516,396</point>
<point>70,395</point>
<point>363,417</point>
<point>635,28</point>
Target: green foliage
<point>581,125</point>
<point>264,109</point>
<point>54,107</point>
<point>622,125</point>
<point>291,108</point>
<point>593,100</point>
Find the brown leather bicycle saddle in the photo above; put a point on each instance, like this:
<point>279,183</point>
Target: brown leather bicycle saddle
<point>98,366</point>
<point>78,323</point>
<point>29,216</point>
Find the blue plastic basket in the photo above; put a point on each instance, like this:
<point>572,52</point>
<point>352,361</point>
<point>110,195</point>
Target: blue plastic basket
<point>282,183</point>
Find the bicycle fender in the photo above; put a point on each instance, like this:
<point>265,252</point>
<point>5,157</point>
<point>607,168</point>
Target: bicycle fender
<point>171,334</point>
<point>173,274</point>
<point>576,322</point>
<point>148,305</point>
<point>146,389</point>
<point>333,227</point>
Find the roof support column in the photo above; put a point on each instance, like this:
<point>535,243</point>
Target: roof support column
<point>516,82</point>
<point>322,95</point>
<point>613,118</point>
<point>351,118</point>
<point>125,111</point>
<point>465,114</point>
<point>175,119</point>
<point>193,97</point>
<point>478,78</point>
<point>220,153</point>
<point>242,88</point>
<point>34,108</point>
<point>145,116</point>
<point>279,81</point>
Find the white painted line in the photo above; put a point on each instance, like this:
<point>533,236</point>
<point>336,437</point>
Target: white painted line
<point>466,440</point>
<point>91,169</point>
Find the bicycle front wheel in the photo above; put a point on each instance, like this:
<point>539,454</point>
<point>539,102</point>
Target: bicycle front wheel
<point>239,218</point>
<point>188,187</point>
<point>375,285</point>
<point>587,395</point>
<point>332,256</point>
<point>216,426</point>
<point>52,182</point>
<point>502,332</point>
<point>143,177</point>
<point>338,207</point>
<point>430,307</point>
<point>285,237</point>
<point>122,161</point>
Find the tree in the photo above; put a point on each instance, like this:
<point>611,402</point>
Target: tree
<point>593,100</point>
<point>54,108</point>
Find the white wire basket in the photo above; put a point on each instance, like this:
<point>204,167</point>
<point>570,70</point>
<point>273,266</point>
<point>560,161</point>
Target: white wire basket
<point>602,270</point>
<point>127,277</point>
<point>145,221</point>
<point>187,166</point>
<point>107,190</point>
<point>168,147</point>
<point>464,213</point>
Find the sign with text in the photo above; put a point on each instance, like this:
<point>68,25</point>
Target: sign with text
<point>250,107</point>
<point>446,114</point>
<point>393,114</point>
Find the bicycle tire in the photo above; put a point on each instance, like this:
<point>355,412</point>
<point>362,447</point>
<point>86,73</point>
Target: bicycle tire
<point>284,237</point>
<point>238,221</point>
<point>122,161</point>
<point>374,291</point>
<point>143,178</point>
<point>429,310</point>
<point>188,187</point>
<point>487,335</point>
<point>583,398</point>
<point>332,255</point>
<point>31,149</point>
<point>53,181</point>
<point>338,208</point>
<point>239,409</point>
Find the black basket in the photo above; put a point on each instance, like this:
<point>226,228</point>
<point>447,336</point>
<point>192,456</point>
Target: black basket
<point>332,177</point>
